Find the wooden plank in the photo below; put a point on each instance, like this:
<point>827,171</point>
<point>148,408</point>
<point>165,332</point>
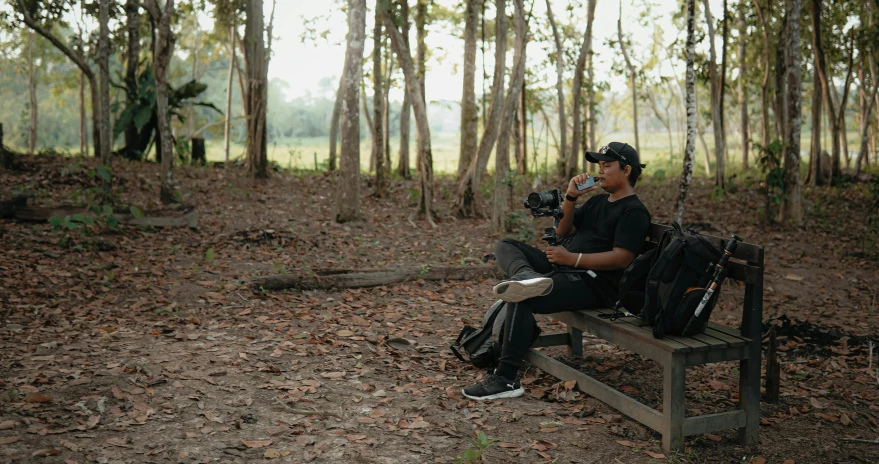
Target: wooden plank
<point>575,345</point>
<point>728,339</point>
<point>625,336</point>
<point>735,333</point>
<point>743,272</point>
<point>556,339</point>
<point>749,369</point>
<point>697,358</point>
<point>694,345</point>
<point>714,422</point>
<point>713,343</point>
<point>674,404</point>
<point>622,403</point>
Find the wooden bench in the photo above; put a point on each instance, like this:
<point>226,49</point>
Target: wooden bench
<point>718,343</point>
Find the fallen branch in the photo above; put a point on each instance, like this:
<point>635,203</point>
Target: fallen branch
<point>861,440</point>
<point>42,214</point>
<point>348,278</point>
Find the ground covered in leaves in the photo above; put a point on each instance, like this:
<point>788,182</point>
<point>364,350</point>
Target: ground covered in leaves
<point>146,345</point>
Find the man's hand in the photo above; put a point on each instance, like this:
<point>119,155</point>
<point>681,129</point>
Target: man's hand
<point>579,180</point>
<point>561,256</point>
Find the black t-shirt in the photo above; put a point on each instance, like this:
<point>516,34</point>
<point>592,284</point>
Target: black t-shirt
<point>603,225</point>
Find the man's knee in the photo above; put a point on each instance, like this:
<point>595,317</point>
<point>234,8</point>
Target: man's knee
<point>505,245</point>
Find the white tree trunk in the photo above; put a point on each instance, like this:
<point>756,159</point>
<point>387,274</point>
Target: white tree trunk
<point>689,152</point>
<point>348,197</point>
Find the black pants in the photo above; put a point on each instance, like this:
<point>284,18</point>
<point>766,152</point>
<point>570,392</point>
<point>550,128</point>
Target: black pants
<point>567,295</point>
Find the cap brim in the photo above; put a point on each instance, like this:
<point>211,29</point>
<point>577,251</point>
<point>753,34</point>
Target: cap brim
<point>594,157</point>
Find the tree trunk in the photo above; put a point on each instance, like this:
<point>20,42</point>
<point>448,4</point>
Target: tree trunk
<point>566,165</point>
<point>466,200</point>
<point>764,90</point>
<point>104,67</point>
<point>585,54</point>
<point>591,120</point>
<point>522,138</point>
<point>227,126</point>
<point>743,88</point>
<point>348,197</point>
<point>386,105</point>
<point>863,151</point>
<point>190,120</point>
<point>421,66</point>
<point>502,186</point>
<point>378,139</point>
<point>255,97</point>
<point>32,94</point>
<point>83,122</point>
<point>163,51</point>
<point>469,111</point>
<point>420,110</point>
<point>689,152</point>
<point>821,66</point>
<point>722,88</point>
<point>792,202</point>
<point>406,110</point>
<point>632,74</point>
<point>780,81</point>
<point>716,117</point>
<point>815,169</point>
<point>132,13</point>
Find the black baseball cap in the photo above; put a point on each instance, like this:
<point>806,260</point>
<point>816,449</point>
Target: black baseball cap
<point>617,151</point>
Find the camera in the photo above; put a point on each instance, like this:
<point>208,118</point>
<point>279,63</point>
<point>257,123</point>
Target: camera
<point>547,204</point>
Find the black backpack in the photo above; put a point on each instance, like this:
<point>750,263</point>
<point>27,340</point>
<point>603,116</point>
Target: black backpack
<point>483,345</point>
<point>665,285</point>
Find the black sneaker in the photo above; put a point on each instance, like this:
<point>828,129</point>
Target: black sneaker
<point>522,286</point>
<point>494,387</point>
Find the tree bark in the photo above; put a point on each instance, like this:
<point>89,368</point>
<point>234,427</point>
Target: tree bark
<point>420,110</point>
<point>104,67</point>
<point>190,119</point>
<point>378,139</point>
<point>722,88</point>
<point>420,63</point>
<point>863,150</point>
<point>716,117</point>
<point>566,165</point>
<point>83,122</point>
<point>502,185</point>
<point>792,202</point>
<point>743,88</point>
<point>821,66</point>
<point>764,89</point>
<point>816,173</point>
<point>632,75</point>
<point>132,13</point>
<point>466,200</point>
<point>469,110</point>
<point>163,51</point>
<point>689,151</point>
<point>585,54</point>
<point>32,94</point>
<point>521,128</point>
<point>590,85</point>
<point>360,278</point>
<point>406,109</point>
<point>780,81</point>
<point>348,197</point>
<point>227,126</point>
<point>255,97</point>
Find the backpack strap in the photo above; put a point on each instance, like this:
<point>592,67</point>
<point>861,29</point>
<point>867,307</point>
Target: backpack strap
<point>651,295</point>
<point>464,332</point>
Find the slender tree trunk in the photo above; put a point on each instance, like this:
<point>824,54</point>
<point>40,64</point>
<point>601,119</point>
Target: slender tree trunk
<point>227,126</point>
<point>591,120</point>
<point>825,81</point>
<point>255,101</point>
<point>348,198</point>
<point>502,186</point>
<point>132,13</point>
<point>421,67</point>
<point>716,95</point>
<point>104,67</point>
<point>484,72</point>
<point>190,129</point>
<point>420,110</point>
<point>722,88</point>
<point>83,122</point>
<point>743,88</point>
<point>522,138</point>
<point>32,93</point>
<point>816,173</point>
<point>406,110</point>
<point>162,53</point>
<point>386,105</point>
<point>764,90</point>
<point>863,152</point>
<point>689,151</point>
<point>566,165</point>
<point>792,202</point>
<point>632,75</point>
<point>466,200</point>
<point>469,111</point>
<point>585,53</point>
<point>378,140</point>
<point>781,112</point>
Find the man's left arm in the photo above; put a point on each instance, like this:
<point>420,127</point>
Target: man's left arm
<point>631,231</point>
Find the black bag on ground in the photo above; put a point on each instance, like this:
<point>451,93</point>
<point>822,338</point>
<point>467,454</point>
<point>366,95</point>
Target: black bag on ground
<point>664,286</point>
<point>483,345</point>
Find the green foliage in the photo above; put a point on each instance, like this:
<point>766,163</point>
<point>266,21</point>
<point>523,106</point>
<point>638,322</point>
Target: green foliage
<point>474,454</point>
<point>209,256</point>
<point>97,202</point>
<point>769,163</point>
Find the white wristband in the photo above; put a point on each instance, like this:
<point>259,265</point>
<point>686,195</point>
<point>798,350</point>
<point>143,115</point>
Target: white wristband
<point>577,264</point>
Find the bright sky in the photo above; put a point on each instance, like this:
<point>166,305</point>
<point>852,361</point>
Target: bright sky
<point>304,64</point>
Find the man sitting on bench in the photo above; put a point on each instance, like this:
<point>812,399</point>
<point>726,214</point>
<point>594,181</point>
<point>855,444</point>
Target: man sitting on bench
<point>607,232</point>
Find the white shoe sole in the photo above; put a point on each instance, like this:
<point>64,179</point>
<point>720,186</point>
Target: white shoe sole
<point>520,290</point>
<point>507,394</point>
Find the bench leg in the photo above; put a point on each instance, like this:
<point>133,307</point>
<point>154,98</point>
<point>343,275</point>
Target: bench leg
<point>749,398</point>
<point>673,404</point>
<point>575,346</point>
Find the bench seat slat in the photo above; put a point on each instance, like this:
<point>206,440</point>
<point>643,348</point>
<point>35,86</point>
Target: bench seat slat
<point>729,331</point>
<point>695,345</point>
<point>623,335</point>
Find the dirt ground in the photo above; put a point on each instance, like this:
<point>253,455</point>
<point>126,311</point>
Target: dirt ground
<point>146,345</point>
